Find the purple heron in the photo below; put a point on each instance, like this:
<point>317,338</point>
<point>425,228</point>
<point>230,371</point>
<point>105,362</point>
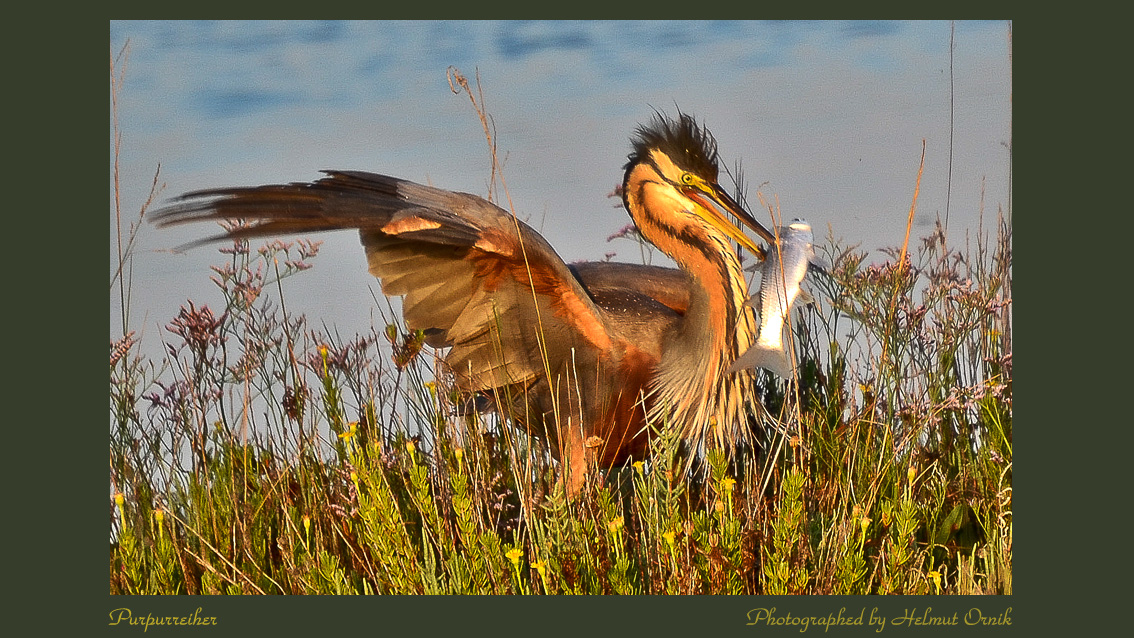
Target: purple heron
<point>582,355</point>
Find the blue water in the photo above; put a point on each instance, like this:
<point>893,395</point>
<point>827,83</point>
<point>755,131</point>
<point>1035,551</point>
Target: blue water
<point>826,118</point>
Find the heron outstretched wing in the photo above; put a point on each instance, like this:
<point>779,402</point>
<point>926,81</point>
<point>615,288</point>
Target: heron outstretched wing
<point>473,277</point>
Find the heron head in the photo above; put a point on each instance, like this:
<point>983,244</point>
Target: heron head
<point>681,156</point>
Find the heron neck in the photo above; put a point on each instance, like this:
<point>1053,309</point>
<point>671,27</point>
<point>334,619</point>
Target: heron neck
<point>692,390</point>
<point>693,386</point>
<point>718,325</point>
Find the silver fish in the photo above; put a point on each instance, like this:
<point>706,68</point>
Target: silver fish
<point>779,290</point>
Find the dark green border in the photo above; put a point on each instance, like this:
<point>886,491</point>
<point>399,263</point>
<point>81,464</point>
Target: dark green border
<point>57,525</point>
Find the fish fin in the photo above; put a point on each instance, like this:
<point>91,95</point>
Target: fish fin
<point>820,264</point>
<point>761,356</point>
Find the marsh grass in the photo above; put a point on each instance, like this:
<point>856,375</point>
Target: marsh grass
<point>262,455</point>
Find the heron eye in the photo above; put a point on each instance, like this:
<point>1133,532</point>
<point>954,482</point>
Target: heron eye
<point>687,179</point>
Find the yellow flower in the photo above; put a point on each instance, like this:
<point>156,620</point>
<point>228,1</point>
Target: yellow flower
<point>615,524</point>
<point>410,447</point>
<point>640,466</point>
<point>540,567</point>
<point>514,555</point>
<point>306,523</point>
<point>159,515</point>
<point>119,499</point>
<point>864,523</point>
<point>352,429</point>
<point>936,576</point>
<point>668,536</point>
<point>727,484</point>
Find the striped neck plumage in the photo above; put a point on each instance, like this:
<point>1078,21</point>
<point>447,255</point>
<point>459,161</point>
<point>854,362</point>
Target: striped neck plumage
<point>692,390</point>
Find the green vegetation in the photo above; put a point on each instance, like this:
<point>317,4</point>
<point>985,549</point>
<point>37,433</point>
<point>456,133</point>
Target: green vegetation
<point>264,456</point>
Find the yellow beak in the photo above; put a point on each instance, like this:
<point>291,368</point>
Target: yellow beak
<point>711,199</point>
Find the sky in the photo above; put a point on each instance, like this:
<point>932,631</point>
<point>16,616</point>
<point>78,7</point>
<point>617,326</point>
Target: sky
<point>827,119</point>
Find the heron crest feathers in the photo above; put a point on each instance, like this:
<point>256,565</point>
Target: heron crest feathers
<point>689,145</point>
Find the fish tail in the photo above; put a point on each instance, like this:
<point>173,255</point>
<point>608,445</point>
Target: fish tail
<point>764,356</point>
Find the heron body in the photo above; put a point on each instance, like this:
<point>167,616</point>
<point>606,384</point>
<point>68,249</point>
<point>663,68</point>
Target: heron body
<point>583,355</point>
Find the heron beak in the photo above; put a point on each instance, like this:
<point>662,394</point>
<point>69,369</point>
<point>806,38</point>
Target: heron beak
<point>709,194</point>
